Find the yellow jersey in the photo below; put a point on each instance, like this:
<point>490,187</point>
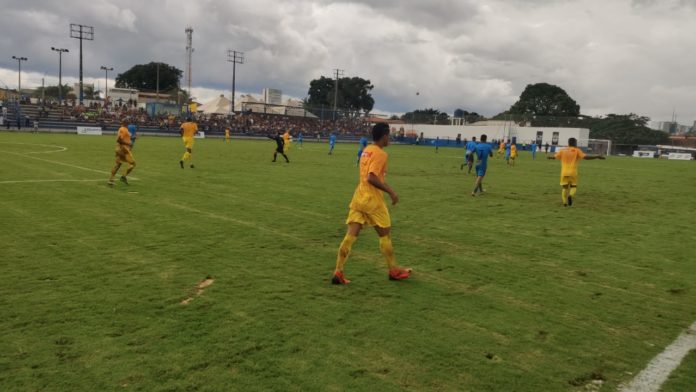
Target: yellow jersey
<point>227,133</point>
<point>367,198</point>
<point>570,157</point>
<point>189,129</point>
<point>124,137</point>
<point>513,151</point>
<point>286,139</point>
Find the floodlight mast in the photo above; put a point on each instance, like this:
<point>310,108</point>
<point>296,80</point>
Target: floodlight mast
<point>82,33</point>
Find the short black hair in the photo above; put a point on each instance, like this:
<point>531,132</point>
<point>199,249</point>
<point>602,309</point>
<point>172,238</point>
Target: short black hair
<point>473,138</point>
<point>379,130</point>
<point>573,142</point>
<point>188,119</point>
<point>484,138</point>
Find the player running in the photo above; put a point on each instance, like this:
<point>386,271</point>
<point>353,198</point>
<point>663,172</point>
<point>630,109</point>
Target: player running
<point>368,207</point>
<point>363,146</point>
<point>469,155</point>
<point>280,147</point>
<point>501,147</point>
<point>483,152</point>
<point>570,159</point>
<point>123,154</point>
<point>332,143</point>
<point>188,131</point>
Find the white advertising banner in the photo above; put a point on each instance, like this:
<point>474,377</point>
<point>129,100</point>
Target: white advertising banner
<point>679,156</point>
<point>643,154</point>
<point>92,131</point>
<point>199,135</point>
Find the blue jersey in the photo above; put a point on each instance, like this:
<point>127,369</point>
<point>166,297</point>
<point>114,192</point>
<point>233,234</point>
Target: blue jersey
<point>299,136</point>
<point>483,151</point>
<point>534,147</point>
<point>471,146</point>
<point>363,142</point>
<point>132,129</point>
<point>332,139</point>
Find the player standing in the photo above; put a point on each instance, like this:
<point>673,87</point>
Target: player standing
<point>286,141</point>
<point>299,139</point>
<point>368,207</point>
<point>123,154</point>
<point>363,146</point>
<point>280,147</point>
<point>188,132</point>
<point>469,155</point>
<point>133,129</point>
<point>570,159</point>
<point>483,152</point>
<point>227,134</point>
<point>332,143</point>
<point>534,150</point>
<point>513,154</point>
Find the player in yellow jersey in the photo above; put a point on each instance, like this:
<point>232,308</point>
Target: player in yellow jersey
<point>227,134</point>
<point>570,159</point>
<point>368,207</point>
<point>286,139</point>
<point>501,147</point>
<point>123,154</point>
<point>188,132</point>
<point>513,154</point>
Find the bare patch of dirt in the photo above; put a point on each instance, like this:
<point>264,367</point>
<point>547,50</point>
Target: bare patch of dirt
<point>200,288</point>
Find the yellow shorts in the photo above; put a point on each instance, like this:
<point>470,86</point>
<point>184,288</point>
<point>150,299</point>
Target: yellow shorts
<point>569,180</point>
<point>378,218</point>
<point>123,154</point>
<point>188,142</point>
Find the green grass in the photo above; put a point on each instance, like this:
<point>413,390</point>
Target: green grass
<point>511,291</point>
<point>683,378</point>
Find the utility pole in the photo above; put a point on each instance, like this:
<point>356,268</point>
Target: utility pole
<point>189,57</point>
<point>106,82</point>
<point>19,77</point>
<point>82,33</point>
<point>235,58</point>
<point>337,73</point>
<point>158,65</point>
<point>60,71</point>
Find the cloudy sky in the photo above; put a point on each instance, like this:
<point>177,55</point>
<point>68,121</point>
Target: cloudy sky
<point>612,56</point>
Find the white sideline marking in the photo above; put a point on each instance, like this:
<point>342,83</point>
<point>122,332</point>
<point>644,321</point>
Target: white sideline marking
<point>60,148</point>
<point>30,181</point>
<point>658,370</point>
<point>57,162</point>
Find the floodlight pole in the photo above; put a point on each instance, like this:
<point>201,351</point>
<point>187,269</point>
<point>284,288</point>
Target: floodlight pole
<point>19,77</point>
<point>106,82</point>
<point>81,32</point>
<point>60,71</point>
<point>235,58</point>
<point>338,73</point>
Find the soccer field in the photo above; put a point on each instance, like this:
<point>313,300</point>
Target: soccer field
<point>510,291</point>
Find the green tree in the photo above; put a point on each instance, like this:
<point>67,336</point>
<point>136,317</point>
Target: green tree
<point>353,94</point>
<point>143,77</point>
<point>426,116</point>
<point>543,99</point>
<point>627,129</point>
<point>470,117</point>
<point>52,91</point>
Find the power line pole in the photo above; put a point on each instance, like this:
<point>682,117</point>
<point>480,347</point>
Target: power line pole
<point>158,65</point>
<point>189,57</point>
<point>337,73</point>
<point>82,33</point>
<point>235,58</point>
<point>106,82</point>
<point>60,71</point>
<point>19,77</point>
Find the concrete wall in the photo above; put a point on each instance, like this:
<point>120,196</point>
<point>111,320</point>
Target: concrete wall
<point>523,134</point>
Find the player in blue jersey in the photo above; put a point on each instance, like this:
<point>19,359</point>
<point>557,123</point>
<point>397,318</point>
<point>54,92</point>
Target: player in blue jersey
<point>299,138</point>
<point>132,129</point>
<point>483,152</point>
<point>508,146</point>
<point>332,143</point>
<point>534,149</point>
<point>363,144</point>
<point>469,155</point>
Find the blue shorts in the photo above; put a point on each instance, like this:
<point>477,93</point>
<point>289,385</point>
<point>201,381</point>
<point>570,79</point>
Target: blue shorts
<point>481,170</point>
<point>360,153</point>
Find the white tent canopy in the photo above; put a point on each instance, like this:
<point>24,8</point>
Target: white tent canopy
<point>219,105</point>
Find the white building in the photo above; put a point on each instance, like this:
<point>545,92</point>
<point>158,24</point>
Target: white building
<point>551,135</point>
<point>121,96</point>
<point>272,96</point>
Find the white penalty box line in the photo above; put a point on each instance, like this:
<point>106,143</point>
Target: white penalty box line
<point>658,370</point>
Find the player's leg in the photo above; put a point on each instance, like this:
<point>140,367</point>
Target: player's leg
<point>344,251</point>
<point>114,170</point>
<point>131,166</point>
<point>565,190</point>
<point>387,250</point>
<point>573,189</point>
<point>286,158</point>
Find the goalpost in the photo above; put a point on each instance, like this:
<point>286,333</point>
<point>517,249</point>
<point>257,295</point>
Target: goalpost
<point>599,147</point>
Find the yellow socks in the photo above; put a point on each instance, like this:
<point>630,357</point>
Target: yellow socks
<point>564,196</point>
<point>186,156</point>
<point>385,246</point>
<point>344,251</point>
<point>573,191</point>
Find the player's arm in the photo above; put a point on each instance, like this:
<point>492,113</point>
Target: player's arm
<point>383,186</point>
<point>592,157</point>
